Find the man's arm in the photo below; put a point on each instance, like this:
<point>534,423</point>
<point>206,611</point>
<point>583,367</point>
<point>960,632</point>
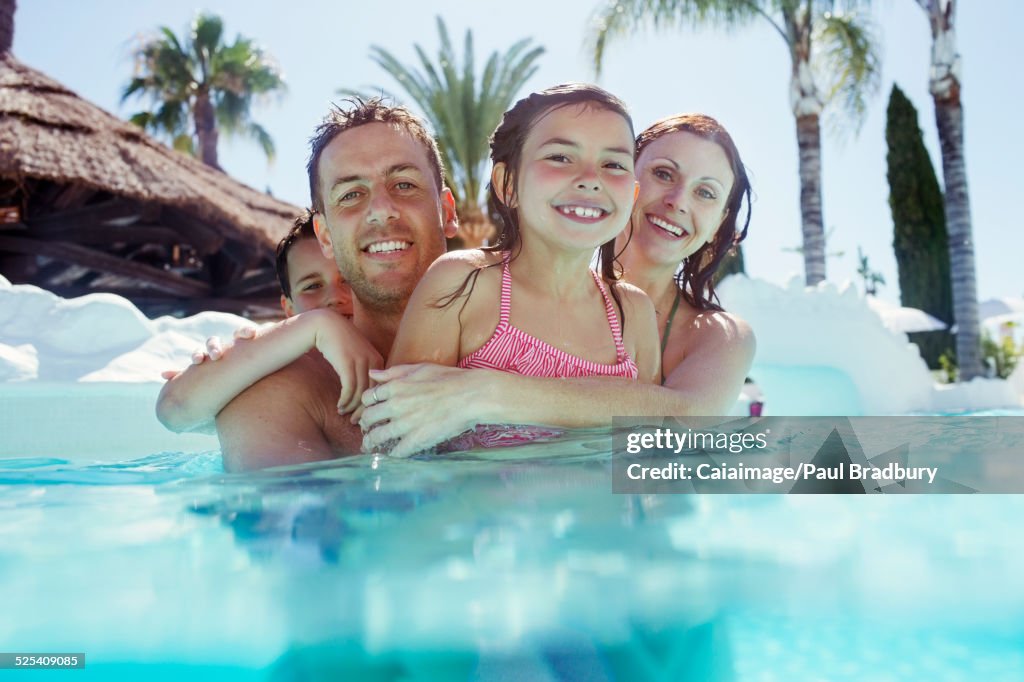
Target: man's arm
<point>192,400</point>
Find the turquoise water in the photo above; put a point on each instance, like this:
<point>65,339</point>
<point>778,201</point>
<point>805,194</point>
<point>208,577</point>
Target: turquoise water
<point>518,565</point>
<point>995,412</point>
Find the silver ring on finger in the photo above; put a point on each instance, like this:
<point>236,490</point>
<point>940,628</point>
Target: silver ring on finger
<point>375,398</point>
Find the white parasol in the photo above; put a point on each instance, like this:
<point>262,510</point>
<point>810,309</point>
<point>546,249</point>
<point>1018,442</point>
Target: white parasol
<point>1006,305</point>
<point>902,319</point>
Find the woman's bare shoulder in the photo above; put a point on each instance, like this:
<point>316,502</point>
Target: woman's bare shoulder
<point>713,327</point>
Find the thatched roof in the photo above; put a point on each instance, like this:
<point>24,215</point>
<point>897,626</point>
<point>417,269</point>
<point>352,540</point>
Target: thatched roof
<point>82,156</point>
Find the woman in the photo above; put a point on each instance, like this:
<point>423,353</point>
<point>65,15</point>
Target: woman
<point>692,187</point>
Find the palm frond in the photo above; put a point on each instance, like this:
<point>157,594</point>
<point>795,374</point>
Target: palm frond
<point>134,86</point>
<point>143,119</point>
<point>262,137</point>
<point>206,33</point>
<point>185,144</point>
<point>619,18</point>
<point>171,116</point>
<point>848,61</point>
<point>171,39</point>
<point>232,111</point>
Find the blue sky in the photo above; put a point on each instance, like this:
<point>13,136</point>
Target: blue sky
<point>740,77</point>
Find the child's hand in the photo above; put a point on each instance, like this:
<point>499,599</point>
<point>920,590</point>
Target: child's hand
<point>351,356</point>
<point>246,332</point>
<point>212,350</point>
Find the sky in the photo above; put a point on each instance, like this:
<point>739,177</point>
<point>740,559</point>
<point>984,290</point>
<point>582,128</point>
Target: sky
<point>740,77</point>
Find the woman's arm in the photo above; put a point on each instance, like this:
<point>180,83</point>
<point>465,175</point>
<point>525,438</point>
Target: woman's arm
<point>193,399</point>
<point>717,357</point>
<point>428,404</point>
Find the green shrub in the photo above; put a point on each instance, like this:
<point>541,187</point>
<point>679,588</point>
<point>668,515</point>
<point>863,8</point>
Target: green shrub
<point>1003,355</point>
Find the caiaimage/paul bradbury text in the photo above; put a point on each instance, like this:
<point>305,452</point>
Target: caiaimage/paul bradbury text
<point>738,471</point>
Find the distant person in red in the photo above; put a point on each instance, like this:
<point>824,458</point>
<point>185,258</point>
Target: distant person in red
<point>753,393</point>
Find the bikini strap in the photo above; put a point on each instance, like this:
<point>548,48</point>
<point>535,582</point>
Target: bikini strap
<point>668,328</point>
<point>668,323</point>
<point>613,319</point>
<point>506,294</point>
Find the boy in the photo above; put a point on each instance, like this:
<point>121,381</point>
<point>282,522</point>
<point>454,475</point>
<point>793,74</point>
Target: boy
<point>308,279</point>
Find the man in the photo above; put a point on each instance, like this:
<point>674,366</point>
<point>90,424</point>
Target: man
<point>381,209</point>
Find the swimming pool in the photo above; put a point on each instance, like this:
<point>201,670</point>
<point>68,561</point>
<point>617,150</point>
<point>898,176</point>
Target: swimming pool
<point>519,565</point>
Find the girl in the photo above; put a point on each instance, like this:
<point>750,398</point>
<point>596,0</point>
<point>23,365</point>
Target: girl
<point>563,185</point>
<point>693,208</point>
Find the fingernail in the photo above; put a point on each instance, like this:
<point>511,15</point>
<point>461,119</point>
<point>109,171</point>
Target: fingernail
<point>378,372</point>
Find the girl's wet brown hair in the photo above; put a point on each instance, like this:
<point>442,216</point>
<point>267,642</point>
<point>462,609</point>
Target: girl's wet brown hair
<point>696,278</point>
<point>507,147</point>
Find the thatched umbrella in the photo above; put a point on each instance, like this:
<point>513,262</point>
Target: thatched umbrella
<point>89,202</point>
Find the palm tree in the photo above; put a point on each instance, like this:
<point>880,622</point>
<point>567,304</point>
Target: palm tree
<point>7,8</point>
<point>202,78</point>
<point>944,84</point>
<point>824,46</point>
<point>463,113</point>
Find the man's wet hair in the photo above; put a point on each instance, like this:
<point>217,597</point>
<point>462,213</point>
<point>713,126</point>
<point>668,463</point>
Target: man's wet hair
<point>359,112</point>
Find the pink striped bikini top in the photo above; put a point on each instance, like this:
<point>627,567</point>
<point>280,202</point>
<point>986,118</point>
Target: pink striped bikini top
<point>512,350</point>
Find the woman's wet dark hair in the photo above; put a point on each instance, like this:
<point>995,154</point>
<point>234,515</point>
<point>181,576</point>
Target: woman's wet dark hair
<point>696,278</point>
<point>507,147</point>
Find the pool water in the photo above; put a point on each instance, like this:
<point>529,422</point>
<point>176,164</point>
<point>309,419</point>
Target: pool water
<point>512,565</point>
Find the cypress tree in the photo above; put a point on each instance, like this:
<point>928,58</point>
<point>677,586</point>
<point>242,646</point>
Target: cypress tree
<point>920,240</point>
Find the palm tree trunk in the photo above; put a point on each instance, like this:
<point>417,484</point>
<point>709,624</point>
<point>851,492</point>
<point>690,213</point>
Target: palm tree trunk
<point>807,105</point>
<point>206,129</point>
<point>7,8</point>
<point>949,117</point>
<point>808,137</point>
<point>475,228</point>
<point>944,84</point>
